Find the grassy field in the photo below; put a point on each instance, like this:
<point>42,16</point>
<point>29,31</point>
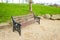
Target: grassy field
<point>8,10</point>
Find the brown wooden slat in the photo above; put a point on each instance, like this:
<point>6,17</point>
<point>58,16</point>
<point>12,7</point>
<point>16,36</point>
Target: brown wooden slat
<point>25,20</point>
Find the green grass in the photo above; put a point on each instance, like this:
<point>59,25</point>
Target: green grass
<point>41,9</point>
<point>8,10</point>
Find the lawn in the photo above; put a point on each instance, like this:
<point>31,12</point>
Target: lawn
<point>8,10</point>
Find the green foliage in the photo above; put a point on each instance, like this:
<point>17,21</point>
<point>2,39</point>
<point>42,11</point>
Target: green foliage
<point>8,10</point>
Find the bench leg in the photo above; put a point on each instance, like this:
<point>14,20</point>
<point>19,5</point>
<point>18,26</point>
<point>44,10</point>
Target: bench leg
<point>14,28</point>
<point>39,21</point>
<point>19,30</point>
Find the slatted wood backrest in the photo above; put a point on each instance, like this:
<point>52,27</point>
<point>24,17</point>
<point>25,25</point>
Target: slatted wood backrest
<point>25,19</point>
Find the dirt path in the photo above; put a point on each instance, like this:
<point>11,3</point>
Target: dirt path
<point>47,30</point>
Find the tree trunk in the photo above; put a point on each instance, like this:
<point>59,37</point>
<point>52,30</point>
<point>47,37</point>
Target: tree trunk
<point>30,5</point>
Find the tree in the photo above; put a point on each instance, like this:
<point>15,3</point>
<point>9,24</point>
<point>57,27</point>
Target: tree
<point>55,5</point>
<point>22,1</point>
<point>19,1</point>
<point>27,0</point>
<point>12,1</point>
<point>30,5</point>
<point>2,1</point>
<point>6,1</point>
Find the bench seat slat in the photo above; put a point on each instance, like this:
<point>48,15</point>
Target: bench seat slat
<point>25,20</point>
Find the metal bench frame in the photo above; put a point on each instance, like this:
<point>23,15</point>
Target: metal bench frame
<point>17,26</point>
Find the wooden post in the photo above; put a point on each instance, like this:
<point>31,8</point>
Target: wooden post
<point>30,5</point>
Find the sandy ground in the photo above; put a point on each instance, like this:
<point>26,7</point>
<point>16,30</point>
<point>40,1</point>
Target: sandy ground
<point>47,30</point>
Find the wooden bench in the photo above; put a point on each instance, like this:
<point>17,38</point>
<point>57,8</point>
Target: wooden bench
<point>22,21</point>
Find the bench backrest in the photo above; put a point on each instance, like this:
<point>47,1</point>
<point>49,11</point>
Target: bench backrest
<point>25,19</point>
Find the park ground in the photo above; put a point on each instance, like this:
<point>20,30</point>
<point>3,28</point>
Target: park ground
<point>46,30</point>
